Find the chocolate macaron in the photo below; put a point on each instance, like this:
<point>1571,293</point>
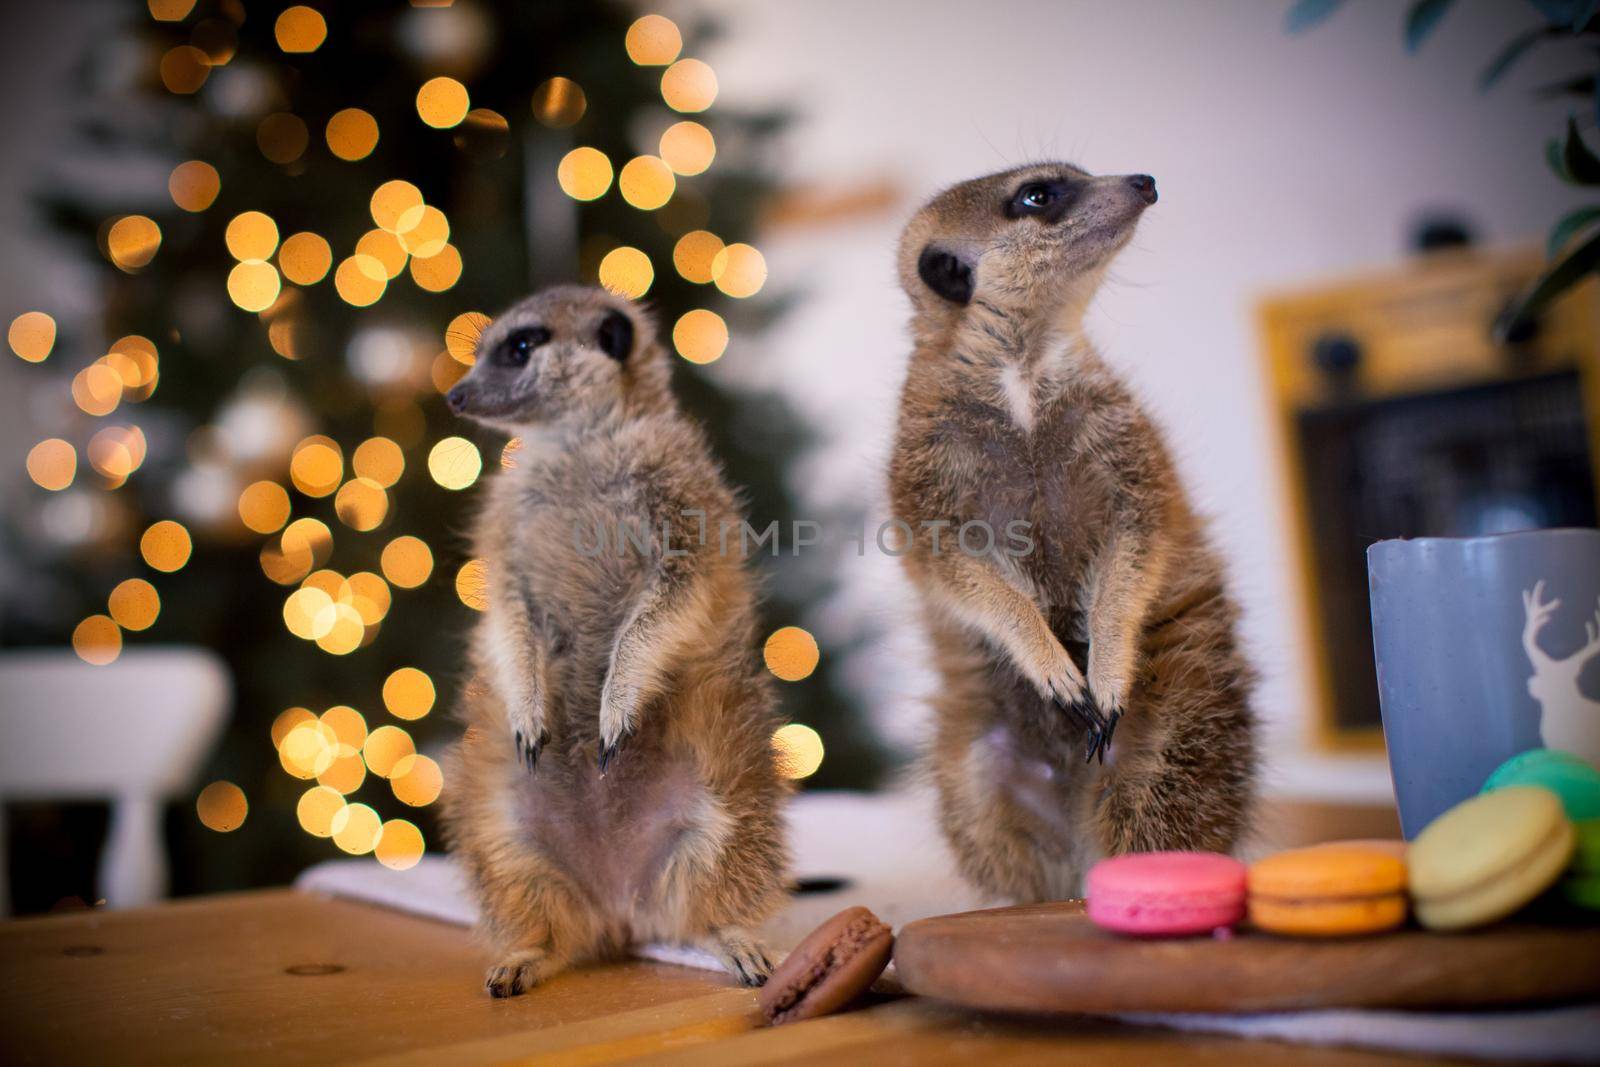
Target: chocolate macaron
<point>833,965</point>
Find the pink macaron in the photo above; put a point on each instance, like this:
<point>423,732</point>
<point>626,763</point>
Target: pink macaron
<point>1167,894</point>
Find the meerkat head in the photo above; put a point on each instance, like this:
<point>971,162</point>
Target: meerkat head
<point>566,354</point>
<point>1038,237</point>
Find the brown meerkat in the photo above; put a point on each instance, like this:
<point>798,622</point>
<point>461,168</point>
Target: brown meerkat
<point>1067,582</point>
<point>616,783</point>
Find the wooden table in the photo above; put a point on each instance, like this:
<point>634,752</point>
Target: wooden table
<point>279,976</point>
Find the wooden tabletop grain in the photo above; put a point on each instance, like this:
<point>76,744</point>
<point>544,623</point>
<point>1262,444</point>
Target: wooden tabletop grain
<point>279,976</point>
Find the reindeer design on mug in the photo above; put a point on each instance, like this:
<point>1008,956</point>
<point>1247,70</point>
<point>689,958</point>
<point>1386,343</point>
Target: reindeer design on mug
<point>1568,719</point>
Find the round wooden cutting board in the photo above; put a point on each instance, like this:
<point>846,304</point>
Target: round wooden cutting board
<point>1051,958</point>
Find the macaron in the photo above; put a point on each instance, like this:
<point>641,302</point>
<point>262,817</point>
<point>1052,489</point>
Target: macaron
<point>1338,889</point>
<point>830,968</point>
<point>1572,778</point>
<point>1488,856</point>
<point>1581,886</point>
<point>1166,894</point>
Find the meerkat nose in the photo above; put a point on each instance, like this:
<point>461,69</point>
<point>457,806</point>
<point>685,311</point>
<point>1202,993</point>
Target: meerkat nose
<point>456,399</point>
<point>1144,185</point>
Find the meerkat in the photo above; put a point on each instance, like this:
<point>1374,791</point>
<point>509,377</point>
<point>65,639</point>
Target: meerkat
<point>1084,593</point>
<point>616,783</point>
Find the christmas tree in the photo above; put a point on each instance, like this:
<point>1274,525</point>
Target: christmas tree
<point>266,466</point>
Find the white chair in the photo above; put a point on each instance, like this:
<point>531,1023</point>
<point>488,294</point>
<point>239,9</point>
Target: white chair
<point>134,732</point>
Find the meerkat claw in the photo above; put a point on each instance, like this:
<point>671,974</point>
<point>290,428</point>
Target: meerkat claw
<point>607,754</point>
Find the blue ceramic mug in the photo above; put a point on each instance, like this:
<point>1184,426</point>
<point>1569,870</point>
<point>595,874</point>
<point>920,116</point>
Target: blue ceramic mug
<point>1486,647</point>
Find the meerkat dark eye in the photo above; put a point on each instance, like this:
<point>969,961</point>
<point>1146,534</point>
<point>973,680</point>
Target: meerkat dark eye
<point>615,335</point>
<point>1032,199</point>
<point>515,349</point>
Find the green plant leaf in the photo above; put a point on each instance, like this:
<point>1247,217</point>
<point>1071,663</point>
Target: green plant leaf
<point>1568,226</point>
<point>1304,14</point>
<point>1582,165</point>
<point>1555,281</point>
<point>1510,54</point>
<point>1421,19</point>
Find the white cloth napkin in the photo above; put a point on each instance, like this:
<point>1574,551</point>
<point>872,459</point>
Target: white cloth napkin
<point>886,851</point>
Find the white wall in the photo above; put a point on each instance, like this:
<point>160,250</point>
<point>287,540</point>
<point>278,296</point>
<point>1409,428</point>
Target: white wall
<point>1278,160</point>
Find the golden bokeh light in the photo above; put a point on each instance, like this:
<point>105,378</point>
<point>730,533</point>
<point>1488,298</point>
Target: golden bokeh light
<point>423,231</point>
<point>194,185</point>
<point>391,201</point>
<point>379,460</point>
<point>132,242</point>
<point>170,10</point>
<point>584,173</point>
<point>472,584</point>
<point>284,567</point>
<point>97,389</point>
<point>798,749</point>
<point>253,286</point>
<point>305,258</point>
<point>385,747</point>
<point>360,280</point>
<point>218,38</point>
<point>310,538</point>
<point>700,336</point>
<point>368,594</point>
<point>384,247</point>
<point>328,581</point>
<point>416,780</point>
<point>97,640</point>
<point>442,102</point>
<point>791,653</point>
<point>437,272</point>
<point>316,466</point>
<point>222,807</point>
<point>407,561</point>
<point>352,134</point>
<point>165,545</point>
<point>689,85</point>
<point>361,504</point>
<point>646,182</point>
<point>483,135</point>
<point>308,613</point>
<point>461,336</point>
<point>627,272</point>
<point>356,828</point>
<point>349,726</point>
<point>559,102</point>
<point>694,254</point>
<point>300,29</point>
<point>346,632</point>
<point>408,693</point>
<point>455,463</point>
<point>134,604</point>
<point>688,148</point>
<point>653,41</point>
<point>52,464</point>
<point>184,69</point>
<point>264,506</point>
<point>282,137</point>
<point>287,720</point>
<point>399,846</point>
<point>739,270</point>
<point>317,808</point>
<point>116,452</point>
<point>446,372</point>
<point>508,454</point>
<point>251,235</point>
<point>345,774</point>
<point>32,335</point>
<point>136,364</point>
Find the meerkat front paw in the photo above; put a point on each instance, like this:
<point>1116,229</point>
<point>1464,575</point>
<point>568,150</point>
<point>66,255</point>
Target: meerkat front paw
<point>528,734</point>
<point>1064,684</point>
<point>616,724</point>
<point>517,974</point>
<point>741,954</point>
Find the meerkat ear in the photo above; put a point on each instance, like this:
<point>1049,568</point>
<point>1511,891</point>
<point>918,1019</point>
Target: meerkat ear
<point>616,336</point>
<point>946,274</point>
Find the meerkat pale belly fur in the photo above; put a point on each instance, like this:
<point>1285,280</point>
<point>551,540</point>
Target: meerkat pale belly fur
<point>616,781</point>
<point>1093,699</point>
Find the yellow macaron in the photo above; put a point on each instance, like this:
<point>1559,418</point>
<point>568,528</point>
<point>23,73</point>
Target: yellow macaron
<point>1338,889</point>
<point>1488,856</point>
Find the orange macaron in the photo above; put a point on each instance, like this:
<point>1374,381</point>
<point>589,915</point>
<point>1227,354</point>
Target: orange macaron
<point>1339,889</point>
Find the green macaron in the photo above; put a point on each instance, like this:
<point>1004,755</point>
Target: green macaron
<point>1572,778</point>
<point>1582,883</point>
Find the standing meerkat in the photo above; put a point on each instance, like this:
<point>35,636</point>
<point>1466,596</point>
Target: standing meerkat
<point>1108,606</point>
<point>616,782</point>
